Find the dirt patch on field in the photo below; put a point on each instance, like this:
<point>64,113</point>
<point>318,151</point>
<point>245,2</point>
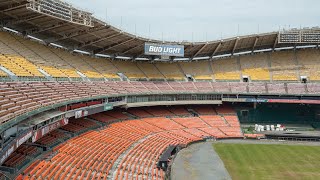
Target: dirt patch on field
<point>199,161</point>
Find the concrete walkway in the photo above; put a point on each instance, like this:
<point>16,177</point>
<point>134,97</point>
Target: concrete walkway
<point>199,161</point>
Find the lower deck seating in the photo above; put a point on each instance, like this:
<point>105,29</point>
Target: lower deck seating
<point>205,110</point>
<point>78,125</point>
<point>180,111</point>
<point>254,136</point>
<point>158,111</point>
<point>102,117</point>
<point>52,138</point>
<point>128,149</point>
<point>225,109</point>
<point>139,113</point>
<point>190,122</point>
<point>18,157</point>
<point>116,114</point>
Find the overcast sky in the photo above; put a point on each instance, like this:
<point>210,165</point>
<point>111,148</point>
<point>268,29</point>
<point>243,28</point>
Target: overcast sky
<point>203,20</point>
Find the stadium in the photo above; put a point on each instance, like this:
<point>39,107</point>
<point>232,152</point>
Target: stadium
<point>82,99</point>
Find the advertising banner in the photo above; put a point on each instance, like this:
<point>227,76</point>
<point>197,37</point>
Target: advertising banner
<point>45,130</point>
<point>10,148</point>
<point>164,50</point>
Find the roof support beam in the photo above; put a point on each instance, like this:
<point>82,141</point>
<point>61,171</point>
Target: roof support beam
<point>15,17</point>
<point>216,50</point>
<point>131,48</point>
<point>275,43</point>
<point>112,46</point>
<point>195,55</point>
<point>39,30</point>
<point>80,33</point>
<point>255,43</point>
<point>137,55</point>
<point>25,19</point>
<point>16,6</point>
<point>99,40</point>
<point>235,45</point>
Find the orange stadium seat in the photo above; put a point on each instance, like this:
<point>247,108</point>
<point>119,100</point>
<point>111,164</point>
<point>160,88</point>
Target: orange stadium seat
<point>140,143</point>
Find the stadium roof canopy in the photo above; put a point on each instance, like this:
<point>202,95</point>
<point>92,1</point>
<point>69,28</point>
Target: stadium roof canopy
<point>54,21</point>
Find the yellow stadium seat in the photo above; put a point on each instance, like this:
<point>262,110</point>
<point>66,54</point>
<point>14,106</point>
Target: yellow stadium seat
<point>19,66</point>
<point>256,67</point>
<point>285,77</point>
<point>283,66</point>
<point>70,73</point>
<point>111,76</point>
<point>130,69</point>
<point>200,70</point>
<point>310,62</point>
<point>3,74</point>
<point>150,70</point>
<point>92,74</point>
<point>227,76</point>
<point>208,77</point>
<point>170,70</point>
<point>226,69</point>
<point>257,74</point>
<point>54,72</point>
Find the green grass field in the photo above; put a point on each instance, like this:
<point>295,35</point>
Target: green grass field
<point>260,161</point>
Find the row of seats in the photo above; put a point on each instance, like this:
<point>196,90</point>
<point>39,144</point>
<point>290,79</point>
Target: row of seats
<point>3,74</point>
<point>19,66</point>
<point>277,66</point>
<point>254,136</point>
<point>78,125</point>
<point>52,138</point>
<point>18,157</point>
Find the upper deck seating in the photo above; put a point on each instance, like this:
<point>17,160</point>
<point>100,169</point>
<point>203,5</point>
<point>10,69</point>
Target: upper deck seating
<point>226,70</point>
<point>3,74</point>
<point>103,67</point>
<point>19,66</point>
<point>130,69</point>
<point>170,71</point>
<point>309,60</point>
<point>200,70</point>
<point>256,67</point>
<point>283,66</point>
<point>150,70</point>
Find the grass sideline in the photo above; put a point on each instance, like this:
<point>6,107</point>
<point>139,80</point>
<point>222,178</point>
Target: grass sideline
<point>269,161</point>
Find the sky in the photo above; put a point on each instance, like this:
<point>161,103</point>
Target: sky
<point>202,20</point>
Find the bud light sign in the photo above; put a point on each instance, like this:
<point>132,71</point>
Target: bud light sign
<point>164,50</point>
